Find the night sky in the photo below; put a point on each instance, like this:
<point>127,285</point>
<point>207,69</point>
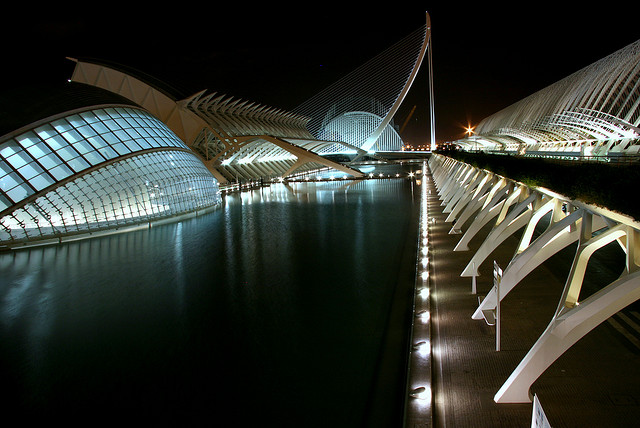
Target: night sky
<point>485,57</point>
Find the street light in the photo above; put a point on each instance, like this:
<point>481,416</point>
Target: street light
<point>470,130</point>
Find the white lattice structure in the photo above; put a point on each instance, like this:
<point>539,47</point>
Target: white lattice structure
<point>359,108</point>
<point>95,170</point>
<point>593,112</point>
<point>350,128</point>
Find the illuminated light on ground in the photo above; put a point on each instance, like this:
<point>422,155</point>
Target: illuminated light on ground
<point>423,348</point>
<point>423,316</point>
<point>424,293</point>
<point>421,343</point>
<point>422,393</point>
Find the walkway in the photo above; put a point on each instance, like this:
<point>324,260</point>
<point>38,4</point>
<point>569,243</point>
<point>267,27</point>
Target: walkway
<point>594,384</point>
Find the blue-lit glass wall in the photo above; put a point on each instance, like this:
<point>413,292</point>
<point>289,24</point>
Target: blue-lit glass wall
<point>96,170</point>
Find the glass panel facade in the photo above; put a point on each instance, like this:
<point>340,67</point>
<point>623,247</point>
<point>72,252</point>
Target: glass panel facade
<point>129,191</point>
<point>134,190</point>
<point>78,142</point>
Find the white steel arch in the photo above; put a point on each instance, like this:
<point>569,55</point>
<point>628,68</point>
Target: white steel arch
<point>383,82</point>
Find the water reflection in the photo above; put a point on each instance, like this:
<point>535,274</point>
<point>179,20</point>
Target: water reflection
<point>277,302</point>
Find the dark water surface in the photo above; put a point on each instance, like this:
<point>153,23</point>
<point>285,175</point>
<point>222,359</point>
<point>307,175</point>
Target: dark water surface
<point>271,311</point>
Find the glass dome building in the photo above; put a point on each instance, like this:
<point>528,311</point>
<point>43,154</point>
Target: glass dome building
<point>96,168</point>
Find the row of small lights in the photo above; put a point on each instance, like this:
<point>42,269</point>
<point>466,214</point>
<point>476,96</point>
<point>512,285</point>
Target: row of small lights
<point>251,184</point>
<point>240,187</point>
<point>344,177</point>
<point>421,347</point>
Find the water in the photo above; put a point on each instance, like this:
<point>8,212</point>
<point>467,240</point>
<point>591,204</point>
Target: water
<point>273,310</point>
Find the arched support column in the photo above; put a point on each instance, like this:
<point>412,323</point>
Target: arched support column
<point>441,170</point>
<point>449,186</point>
<point>573,319</point>
<point>516,206</point>
<point>464,193</point>
<point>558,236</point>
<point>505,226</point>
<point>446,175</point>
<point>457,188</point>
<point>489,211</point>
<point>477,200</point>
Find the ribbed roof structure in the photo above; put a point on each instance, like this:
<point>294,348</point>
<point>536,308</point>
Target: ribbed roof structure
<point>221,129</point>
<point>593,112</point>
<point>239,117</point>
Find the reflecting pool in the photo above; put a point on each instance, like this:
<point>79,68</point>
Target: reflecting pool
<point>273,310</point>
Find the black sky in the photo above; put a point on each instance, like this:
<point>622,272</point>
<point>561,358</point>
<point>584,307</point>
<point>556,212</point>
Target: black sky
<point>485,57</point>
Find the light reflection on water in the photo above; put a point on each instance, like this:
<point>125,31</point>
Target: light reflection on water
<point>276,304</point>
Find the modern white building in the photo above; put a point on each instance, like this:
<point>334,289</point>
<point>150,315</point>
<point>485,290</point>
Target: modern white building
<point>115,150</point>
<point>592,112</point>
<point>96,168</point>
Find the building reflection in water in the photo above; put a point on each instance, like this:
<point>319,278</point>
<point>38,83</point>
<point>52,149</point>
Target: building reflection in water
<point>284,292</point>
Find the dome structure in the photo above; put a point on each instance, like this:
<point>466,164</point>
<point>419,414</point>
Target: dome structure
<point>94,168</point>
<point>377,89</point>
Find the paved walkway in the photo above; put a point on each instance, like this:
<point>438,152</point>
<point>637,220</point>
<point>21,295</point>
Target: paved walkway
<point>594,384</point>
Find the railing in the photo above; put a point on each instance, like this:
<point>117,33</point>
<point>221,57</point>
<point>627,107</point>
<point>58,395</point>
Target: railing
<point>475,197</point>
